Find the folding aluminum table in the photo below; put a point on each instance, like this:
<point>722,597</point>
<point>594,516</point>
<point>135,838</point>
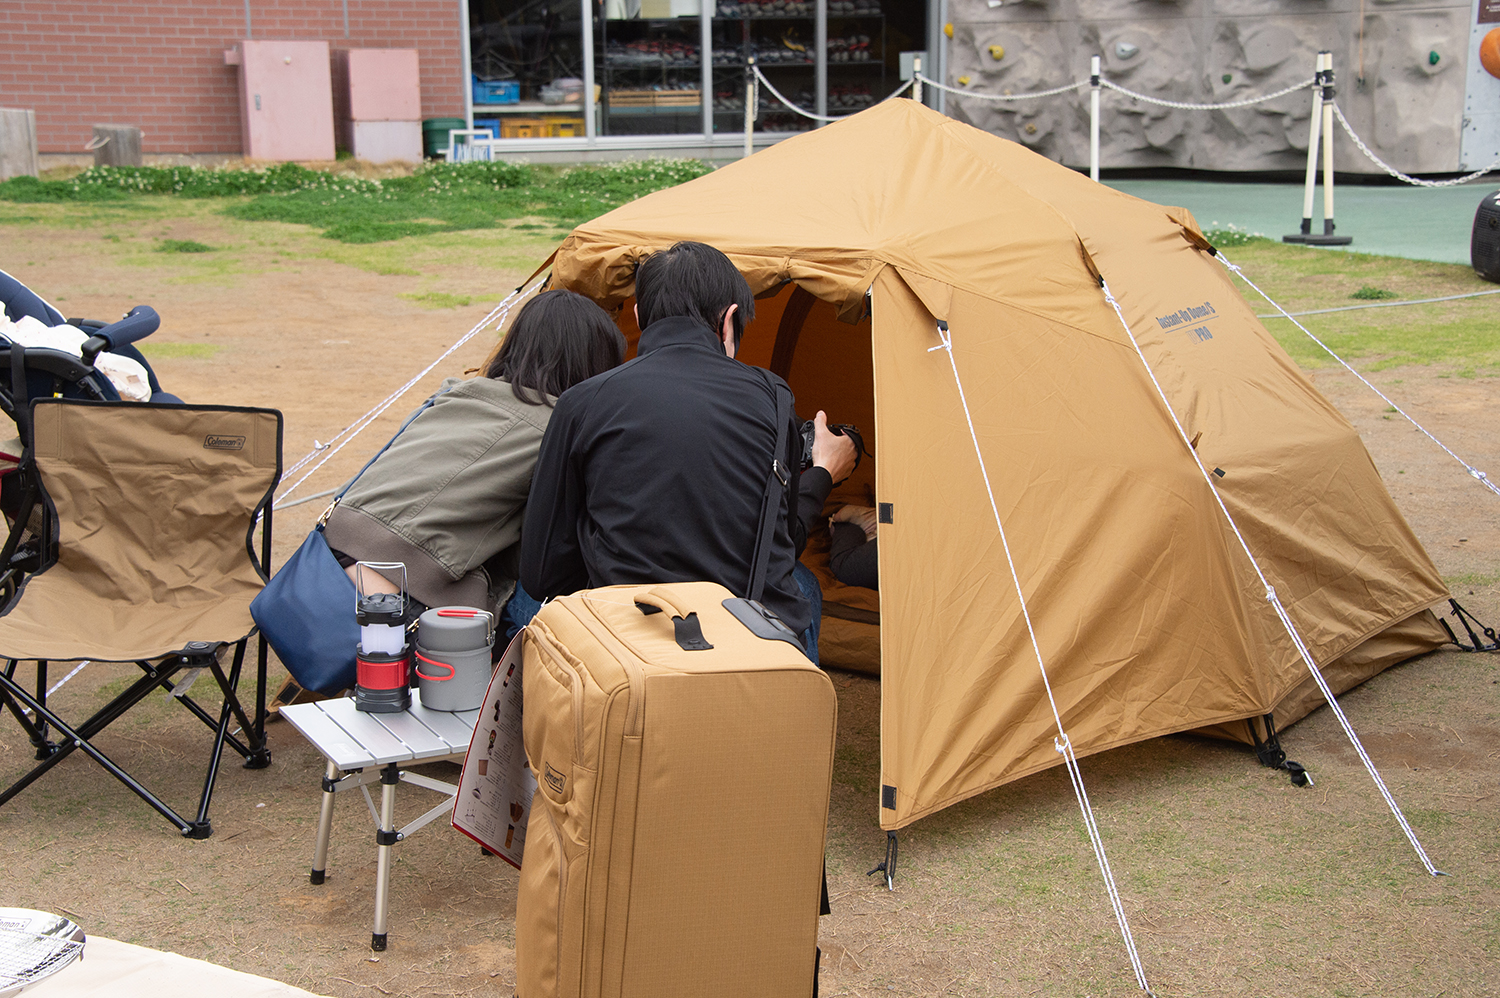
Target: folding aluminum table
<point>366,748</point>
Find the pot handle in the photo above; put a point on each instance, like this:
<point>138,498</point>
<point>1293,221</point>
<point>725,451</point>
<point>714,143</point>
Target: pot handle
<point>466,611</point>
<point>442,665</point>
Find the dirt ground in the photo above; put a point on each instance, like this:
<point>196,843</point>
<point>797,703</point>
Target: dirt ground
<point>1236,883</point>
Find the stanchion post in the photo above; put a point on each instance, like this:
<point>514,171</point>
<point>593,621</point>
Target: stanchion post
<point>916,78</point>
<point>1094,119</point>
<point>1320,127</point>
<point>1328,94</point>
<point>750,106</point>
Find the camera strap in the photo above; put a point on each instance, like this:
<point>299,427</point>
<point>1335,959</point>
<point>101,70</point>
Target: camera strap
<point>780,476</point>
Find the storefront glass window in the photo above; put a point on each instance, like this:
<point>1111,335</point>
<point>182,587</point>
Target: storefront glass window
<point>649,67</point>
<point>527,57</point>
<point>647,63</point>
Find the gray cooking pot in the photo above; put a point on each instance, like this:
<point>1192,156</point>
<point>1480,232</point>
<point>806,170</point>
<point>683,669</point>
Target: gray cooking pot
<point>453,657</point>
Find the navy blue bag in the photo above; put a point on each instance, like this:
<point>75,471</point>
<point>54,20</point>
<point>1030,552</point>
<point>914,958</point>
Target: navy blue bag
<point>306,611</point>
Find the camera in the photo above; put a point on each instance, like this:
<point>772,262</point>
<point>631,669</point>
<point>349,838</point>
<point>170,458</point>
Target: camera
<point>809,431</point>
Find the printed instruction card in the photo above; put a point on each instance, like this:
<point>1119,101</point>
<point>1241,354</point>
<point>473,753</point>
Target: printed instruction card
<point>494,792</point>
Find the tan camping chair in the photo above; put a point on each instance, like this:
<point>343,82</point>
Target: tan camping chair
<point>151,515</point>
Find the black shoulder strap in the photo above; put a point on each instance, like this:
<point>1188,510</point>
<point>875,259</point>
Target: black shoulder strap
<point>779,475</point>
<point>323,520</point>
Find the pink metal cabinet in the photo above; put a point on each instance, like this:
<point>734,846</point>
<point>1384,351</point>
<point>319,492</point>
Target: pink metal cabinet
<point>286,100</point>
<point>378,100</point>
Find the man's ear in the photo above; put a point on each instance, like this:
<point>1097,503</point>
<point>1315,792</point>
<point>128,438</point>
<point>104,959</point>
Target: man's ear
<point>726,330</point>
<point>635,310</point>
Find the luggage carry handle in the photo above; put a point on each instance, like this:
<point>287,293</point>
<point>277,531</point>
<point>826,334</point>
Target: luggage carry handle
<point>685,626</point>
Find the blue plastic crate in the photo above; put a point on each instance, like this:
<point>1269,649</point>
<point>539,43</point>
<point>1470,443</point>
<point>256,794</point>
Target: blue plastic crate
<point>496,91</point>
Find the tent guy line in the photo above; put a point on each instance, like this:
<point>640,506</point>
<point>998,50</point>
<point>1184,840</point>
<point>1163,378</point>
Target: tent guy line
<point>1063,744</point>
<point>1474,472</point>
<point>353,430</point>
<point>1378,304</point>
<point>1271,597</point>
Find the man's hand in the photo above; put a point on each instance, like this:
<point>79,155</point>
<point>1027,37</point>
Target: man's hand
<point>833,452</point>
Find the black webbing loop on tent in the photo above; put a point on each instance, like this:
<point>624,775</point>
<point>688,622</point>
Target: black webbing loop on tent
<point>887,865</point>
<point>1271,755</point>
<point>1464,617</point>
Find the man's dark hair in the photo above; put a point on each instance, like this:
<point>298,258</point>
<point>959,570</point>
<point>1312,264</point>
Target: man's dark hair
<point>695,280</point>
<point>559,338</point>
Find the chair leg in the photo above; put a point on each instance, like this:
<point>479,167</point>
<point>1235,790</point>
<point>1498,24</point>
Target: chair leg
<point>385,837</point>
<point>101,719</point>
<point>260,694</point>
<point>325,826</point>
<point>258,757</point>
<point>34,732</point>
<point>44,748</point>
<point>77,739</point>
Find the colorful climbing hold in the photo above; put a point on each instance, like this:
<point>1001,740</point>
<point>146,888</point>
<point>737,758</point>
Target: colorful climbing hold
<point>1489,52</point>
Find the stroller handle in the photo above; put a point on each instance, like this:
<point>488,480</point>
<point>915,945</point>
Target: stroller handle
<point>139,323</point>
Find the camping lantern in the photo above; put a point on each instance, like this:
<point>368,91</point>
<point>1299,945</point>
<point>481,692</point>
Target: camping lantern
<point>383,657</point>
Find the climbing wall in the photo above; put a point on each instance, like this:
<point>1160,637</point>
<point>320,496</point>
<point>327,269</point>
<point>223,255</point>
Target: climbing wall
<point>1401,67</point>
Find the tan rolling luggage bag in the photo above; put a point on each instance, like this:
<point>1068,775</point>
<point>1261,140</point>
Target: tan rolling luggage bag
<point>683,760</point>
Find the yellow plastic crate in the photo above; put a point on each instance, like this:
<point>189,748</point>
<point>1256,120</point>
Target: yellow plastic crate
<point>523,128</point>
<point>564,126</point>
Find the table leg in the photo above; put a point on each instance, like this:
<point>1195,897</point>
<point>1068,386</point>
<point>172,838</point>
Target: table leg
<point>325,825</point>
<point>385,837</point>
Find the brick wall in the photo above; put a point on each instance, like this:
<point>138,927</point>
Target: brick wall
<point>160,64</point>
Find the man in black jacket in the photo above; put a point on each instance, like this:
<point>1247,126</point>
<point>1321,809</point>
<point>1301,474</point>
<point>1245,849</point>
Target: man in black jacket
<point>656,471</point>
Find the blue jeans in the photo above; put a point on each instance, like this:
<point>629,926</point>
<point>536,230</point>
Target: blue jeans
<point>808,583</point>
<point>520,608</point>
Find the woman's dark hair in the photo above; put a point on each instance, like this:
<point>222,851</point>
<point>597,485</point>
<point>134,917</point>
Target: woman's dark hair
<point>696,280</point>
<point>559,338</point>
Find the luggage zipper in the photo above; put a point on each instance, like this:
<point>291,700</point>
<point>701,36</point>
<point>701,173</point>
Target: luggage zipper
<point>573,670</point>
<point>630,661</point>
<point>562,891</point>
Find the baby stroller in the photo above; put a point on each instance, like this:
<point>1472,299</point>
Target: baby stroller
<point>28,373</point>
<point>133,533</point>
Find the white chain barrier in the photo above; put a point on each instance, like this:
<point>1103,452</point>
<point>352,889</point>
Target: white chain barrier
<point>1081,84</point>
<point>1001,97</point>
<point>1062,743</point>
<point>760,80</point>
<point>1474,472</point>
<point>348,433</point>
<point>1219,106</point>
<point>1215,106</point>
<point>1338,113</point>
<point>1273,599</point>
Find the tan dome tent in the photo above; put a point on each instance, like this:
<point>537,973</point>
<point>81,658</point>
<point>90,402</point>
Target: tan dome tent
<point>860,238</point>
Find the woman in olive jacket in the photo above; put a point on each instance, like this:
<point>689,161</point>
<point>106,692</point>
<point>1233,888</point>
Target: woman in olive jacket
<point>446,496</point>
